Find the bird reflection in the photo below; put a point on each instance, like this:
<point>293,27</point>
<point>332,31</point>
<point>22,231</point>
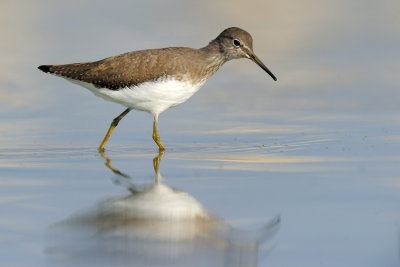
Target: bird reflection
<point>155,225</point>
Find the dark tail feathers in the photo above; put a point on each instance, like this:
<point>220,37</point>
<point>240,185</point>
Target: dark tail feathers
<point>45,68</point>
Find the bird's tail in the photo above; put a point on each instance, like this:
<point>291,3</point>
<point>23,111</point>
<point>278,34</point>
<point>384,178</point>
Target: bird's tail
<point>73,71</point>
<point>46,68</point>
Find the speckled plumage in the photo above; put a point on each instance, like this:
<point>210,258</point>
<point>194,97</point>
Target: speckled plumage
<point>154,80</point>
<point>133,68</point>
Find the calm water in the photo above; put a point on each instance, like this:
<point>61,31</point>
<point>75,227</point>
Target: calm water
<point>299,172</point>
<point>323,197</point>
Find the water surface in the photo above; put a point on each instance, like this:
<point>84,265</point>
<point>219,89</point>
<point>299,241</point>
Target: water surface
<point>328,196</point>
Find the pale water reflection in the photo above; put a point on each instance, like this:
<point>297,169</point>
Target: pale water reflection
<point>155,225</point>
<point>337,193</point>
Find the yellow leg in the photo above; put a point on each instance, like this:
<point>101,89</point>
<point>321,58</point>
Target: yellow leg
<point>156,161</point>
<point>156,136</point>
<point>108,164</point>
<point>114,124</point>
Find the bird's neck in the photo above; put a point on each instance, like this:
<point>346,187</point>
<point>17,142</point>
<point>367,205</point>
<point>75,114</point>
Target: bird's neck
<point>215,56</point>
<point>215,49</point>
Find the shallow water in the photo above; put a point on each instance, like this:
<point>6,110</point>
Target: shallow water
<point>325,197</point>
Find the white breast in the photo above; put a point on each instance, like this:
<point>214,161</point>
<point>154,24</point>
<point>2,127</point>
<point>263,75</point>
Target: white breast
<point>153,97</point>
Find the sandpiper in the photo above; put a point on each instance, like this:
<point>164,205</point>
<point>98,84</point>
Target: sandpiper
<point>154,80</point>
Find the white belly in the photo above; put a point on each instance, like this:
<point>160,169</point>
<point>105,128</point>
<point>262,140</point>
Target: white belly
<point>153,97</point>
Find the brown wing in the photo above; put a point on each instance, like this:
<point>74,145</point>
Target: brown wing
<point>125,70</point>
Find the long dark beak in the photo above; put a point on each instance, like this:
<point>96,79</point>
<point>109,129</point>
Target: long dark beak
<point>259,63</point>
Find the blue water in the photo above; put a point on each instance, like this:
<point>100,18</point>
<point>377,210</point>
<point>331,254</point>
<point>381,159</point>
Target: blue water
<point>327,197</point>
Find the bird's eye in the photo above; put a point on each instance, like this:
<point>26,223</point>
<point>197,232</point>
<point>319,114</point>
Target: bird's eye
<point>236,42</point>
